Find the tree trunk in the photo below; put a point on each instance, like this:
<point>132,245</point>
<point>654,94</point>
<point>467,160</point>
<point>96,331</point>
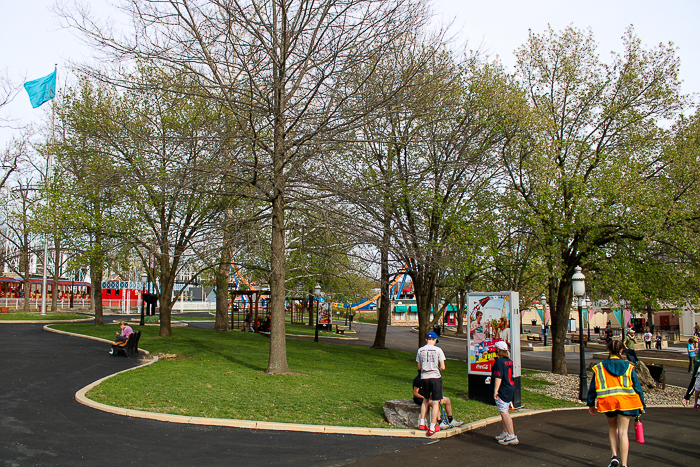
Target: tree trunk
<point>277,363</point>
<point>460,312</point>
<point>96,280</point>
<point>222,278</point>
<point>167,282</point>
<point>650,318</point>
<point>423,289</point>
<point>384,305</point>
<point>560,320</point>
<point>56,274</point>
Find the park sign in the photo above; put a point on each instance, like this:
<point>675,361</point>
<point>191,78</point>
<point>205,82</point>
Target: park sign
<point>493,317</point>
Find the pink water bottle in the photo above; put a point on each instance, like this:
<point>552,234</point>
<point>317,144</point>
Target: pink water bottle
<point>639,430</point>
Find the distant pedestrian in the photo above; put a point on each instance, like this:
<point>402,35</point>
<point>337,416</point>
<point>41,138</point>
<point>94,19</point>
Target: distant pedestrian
<point>692,351</point>
<point>503,384</point>
<point>629,345</point>
<point>647,339</point>
<point>658,341</point>
<point>616,389</point>
<point>248,326</point>
<point>431,360</point>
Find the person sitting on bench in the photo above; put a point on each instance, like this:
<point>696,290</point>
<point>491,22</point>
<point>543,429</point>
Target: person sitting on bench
<point>123,336</point>
<point>126,331</point>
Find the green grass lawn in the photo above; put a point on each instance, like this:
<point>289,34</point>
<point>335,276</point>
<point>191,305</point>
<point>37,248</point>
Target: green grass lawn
<point>36,316</point>
<point>221,374</point>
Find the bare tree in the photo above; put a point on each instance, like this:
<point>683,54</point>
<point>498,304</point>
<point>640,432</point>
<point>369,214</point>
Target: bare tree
<point>281,68</point>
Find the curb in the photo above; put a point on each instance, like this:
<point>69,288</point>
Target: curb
<point>650,360</point>
<point>81,398</point>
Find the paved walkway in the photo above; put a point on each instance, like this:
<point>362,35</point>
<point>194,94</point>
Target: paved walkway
<point>41,424</point>
<point>567,438</point>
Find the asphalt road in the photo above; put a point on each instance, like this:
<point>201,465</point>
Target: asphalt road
<point>568,438</point>
<point>41,424</point>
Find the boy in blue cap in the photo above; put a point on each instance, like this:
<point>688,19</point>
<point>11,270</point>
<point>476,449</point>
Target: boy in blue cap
<point>431,360</point>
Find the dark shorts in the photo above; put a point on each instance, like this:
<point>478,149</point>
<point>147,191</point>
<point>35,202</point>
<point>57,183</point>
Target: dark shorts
<point>626,413</point>
<point>431,388</point>
<point>417,401</point>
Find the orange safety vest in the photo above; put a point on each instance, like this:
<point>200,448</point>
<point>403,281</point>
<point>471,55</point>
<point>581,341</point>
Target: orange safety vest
<point>615,392</point>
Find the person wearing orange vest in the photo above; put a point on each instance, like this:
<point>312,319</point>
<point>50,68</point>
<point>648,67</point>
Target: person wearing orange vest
<point>619,396</point>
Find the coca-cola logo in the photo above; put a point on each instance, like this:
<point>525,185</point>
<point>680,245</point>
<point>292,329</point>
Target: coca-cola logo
<point>482,366</point>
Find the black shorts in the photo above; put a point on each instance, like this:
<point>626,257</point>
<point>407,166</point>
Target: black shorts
<point>417,401</point>
<point>615,413</point>
<point>432,388</point>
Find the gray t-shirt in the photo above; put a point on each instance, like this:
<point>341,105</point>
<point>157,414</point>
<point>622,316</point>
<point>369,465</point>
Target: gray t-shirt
<point>429,357</point>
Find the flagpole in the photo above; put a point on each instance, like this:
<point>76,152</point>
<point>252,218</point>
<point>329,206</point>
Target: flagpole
<point>48,176</point>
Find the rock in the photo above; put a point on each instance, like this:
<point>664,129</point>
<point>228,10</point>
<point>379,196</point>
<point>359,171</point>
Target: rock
<point>644,376</point>
<point>403,413</point>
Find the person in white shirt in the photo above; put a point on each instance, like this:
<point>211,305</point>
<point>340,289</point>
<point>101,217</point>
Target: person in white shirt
<point>431,360</point>
<point>647,339</point>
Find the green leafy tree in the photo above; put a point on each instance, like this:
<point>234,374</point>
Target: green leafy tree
<point>582,149</point>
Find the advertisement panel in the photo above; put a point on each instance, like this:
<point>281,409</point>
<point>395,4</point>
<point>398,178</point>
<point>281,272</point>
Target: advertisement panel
<point>493,317</point>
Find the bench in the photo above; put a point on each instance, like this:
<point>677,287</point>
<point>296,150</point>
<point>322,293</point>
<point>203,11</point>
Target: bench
<point>575,338</point>
<point>129,348</point>
<point>534,337</point>
<point>338,330</point>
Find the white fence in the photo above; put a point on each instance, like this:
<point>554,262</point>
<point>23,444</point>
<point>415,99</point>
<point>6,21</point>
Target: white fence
<point>35,303</point>
<point>132,306</point>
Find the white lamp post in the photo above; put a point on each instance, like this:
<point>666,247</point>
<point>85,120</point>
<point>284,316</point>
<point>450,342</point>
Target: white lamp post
<point>144,280</point>
<point>579,289</point>
<point>543,300</point>
<point>317,293</point>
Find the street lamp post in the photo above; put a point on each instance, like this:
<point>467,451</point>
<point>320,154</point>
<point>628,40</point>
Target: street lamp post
<point>588,319</point>
<point>579,289</point>
<point>144,280</point>
<point>317,293</point>
<point>543,300</point>
<point>622,317</point>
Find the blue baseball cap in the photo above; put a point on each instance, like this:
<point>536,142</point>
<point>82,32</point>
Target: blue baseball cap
<point>432,335</point>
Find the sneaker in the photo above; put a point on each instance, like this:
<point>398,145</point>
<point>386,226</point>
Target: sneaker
<point>432,431</point>
<point>455,423</point>
<point>422,427</point>
<point>509,440</point>
<point>503,435</point>
<point>614,462</point>
<point>111,352</point>
<point>445,425</point>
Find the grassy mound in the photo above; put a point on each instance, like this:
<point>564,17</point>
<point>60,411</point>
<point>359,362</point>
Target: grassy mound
<point>221,374</point>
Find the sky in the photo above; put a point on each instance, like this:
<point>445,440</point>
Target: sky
<point>33,40</point>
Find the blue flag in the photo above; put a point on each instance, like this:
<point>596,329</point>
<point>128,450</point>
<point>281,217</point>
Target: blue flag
<point>42,89</point>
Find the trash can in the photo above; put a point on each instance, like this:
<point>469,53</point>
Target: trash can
<point>4,309</point>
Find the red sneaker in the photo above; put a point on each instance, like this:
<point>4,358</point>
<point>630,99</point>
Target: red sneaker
<point>434,430</point>
<point>422,427</point>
